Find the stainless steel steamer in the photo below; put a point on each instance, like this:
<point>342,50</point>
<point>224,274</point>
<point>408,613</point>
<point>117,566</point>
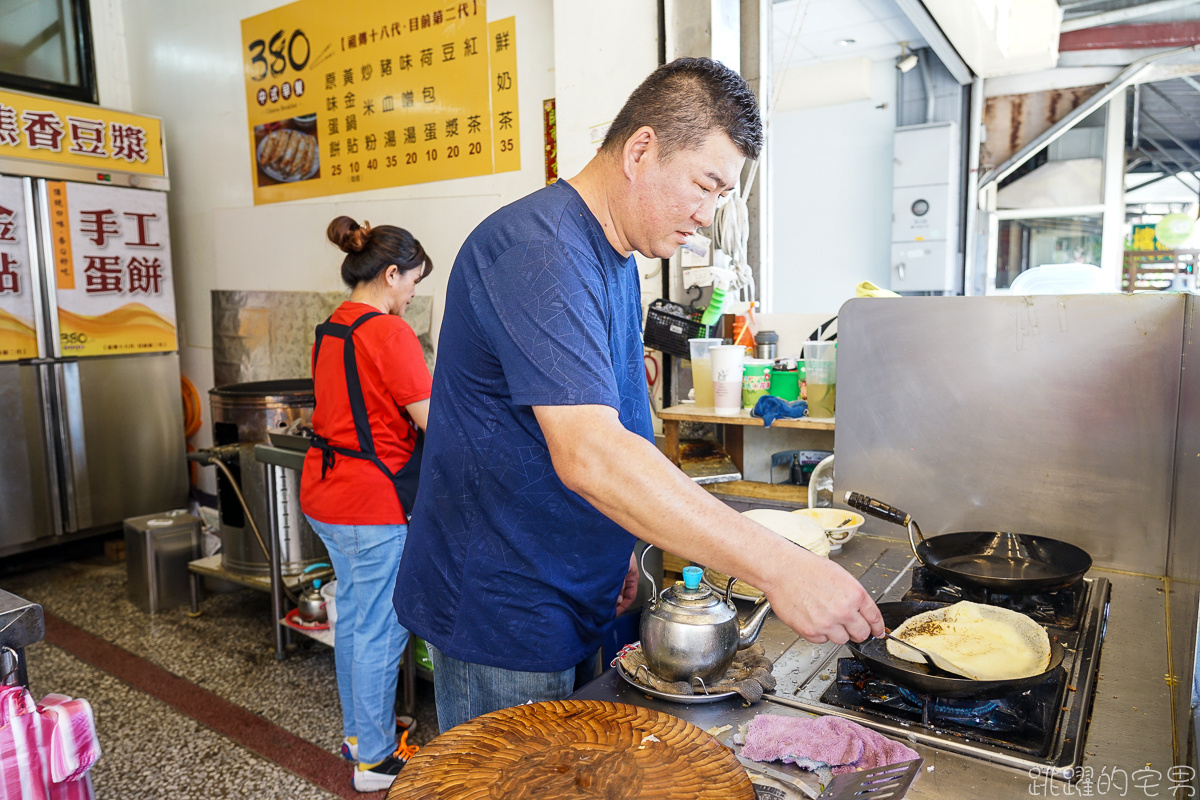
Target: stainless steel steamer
<point>243,414</point>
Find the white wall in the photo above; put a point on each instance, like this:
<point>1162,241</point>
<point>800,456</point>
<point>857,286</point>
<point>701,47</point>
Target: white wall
<point>833,199</point>
<point>183,62</point>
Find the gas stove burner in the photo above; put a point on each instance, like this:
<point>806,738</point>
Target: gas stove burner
<point>956,710</point>
<point>1024,721</point>
<point>1061,609</point>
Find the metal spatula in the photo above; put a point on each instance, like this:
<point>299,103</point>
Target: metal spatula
<point>876,783</point>
<point>936,659</point>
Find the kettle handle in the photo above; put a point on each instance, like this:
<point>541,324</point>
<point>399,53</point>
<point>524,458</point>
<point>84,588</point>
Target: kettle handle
<point>653,601</point>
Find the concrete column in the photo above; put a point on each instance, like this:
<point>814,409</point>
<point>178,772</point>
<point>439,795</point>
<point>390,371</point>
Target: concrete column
<point>756,69</point>
<point>1112,250</point>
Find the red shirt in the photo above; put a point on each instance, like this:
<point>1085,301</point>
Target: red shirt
<point>391,368</point>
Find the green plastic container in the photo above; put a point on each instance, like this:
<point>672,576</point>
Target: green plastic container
<point>785,384</point>
<point>422,653</point>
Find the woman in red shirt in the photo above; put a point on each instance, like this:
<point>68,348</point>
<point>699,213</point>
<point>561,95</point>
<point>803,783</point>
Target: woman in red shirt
<point>359,480</point>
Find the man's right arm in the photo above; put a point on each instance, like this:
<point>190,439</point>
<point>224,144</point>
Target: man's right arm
<point>626,478</point>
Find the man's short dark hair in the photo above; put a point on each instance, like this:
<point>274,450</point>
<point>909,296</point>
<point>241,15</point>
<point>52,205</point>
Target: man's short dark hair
<point>684,102</point>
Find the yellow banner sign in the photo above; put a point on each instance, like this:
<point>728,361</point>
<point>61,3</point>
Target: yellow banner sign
<point>393,93</point>
<point>60,132</point>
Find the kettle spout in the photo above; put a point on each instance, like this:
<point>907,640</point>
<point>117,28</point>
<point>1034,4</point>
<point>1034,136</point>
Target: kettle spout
<point>749,630</point>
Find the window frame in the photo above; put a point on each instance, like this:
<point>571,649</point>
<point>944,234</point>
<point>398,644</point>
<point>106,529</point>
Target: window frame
<point>86,91</point>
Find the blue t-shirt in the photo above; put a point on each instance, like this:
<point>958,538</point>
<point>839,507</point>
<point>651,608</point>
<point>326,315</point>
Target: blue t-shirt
<point>504,565</point>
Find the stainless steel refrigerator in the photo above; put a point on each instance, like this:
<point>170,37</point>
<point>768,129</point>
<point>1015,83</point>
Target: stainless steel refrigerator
<point>89,364</point>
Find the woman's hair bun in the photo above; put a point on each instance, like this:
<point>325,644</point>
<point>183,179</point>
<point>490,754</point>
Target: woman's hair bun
<point>348,235</point>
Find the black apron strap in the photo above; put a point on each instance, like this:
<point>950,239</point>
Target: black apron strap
<point>405,480</point>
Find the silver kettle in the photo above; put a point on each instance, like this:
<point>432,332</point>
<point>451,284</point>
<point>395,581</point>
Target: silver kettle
<point>689,631</point>
<point>310,604</point>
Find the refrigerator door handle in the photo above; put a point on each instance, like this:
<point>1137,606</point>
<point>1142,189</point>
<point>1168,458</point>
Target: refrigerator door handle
<point>76,487</point>
<point>46,277</point>
<point>45,391</point>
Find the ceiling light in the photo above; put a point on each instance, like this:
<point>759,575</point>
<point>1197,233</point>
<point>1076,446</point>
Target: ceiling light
<point>845,42</point>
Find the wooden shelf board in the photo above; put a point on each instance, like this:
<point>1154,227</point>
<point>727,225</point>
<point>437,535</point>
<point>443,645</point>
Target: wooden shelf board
<point>690,413</point>
<point>755,490</point>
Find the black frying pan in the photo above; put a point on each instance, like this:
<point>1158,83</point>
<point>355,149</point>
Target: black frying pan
<point>1008,563</point>
<point>930,680</point>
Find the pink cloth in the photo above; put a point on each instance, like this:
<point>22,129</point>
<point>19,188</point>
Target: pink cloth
<point>22,776</point>
<point>45,749</point>
<point>844,745</point>
<point>72,735</point>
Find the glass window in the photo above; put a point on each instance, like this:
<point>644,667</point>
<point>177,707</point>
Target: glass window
<point>46,48</point>
<point>1027,243</point>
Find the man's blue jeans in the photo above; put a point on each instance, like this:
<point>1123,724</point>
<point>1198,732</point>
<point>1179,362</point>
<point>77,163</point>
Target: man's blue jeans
<point>464,690</point>
<point>368,641</point>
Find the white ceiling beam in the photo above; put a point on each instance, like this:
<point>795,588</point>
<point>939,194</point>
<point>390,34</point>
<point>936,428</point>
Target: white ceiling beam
<point>932,34</point>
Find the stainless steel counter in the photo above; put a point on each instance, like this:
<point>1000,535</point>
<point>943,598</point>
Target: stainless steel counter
<point>1131,719</point>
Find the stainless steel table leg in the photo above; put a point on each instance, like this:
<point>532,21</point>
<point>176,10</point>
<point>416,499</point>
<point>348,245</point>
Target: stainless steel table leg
<point>194,591</point>
<point>277,611</point>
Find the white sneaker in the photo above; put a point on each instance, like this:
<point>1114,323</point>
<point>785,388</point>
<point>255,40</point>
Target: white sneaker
<point>379,777</point>
<point>404,723</point>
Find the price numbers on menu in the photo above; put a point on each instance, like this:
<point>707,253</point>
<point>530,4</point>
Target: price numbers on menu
<point>271,57</point>
<point>409,158</point>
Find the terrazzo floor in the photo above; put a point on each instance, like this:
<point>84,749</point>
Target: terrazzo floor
<point>150,748</point>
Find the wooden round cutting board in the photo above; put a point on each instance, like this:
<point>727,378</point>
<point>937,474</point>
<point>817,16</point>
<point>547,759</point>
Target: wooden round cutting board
<point>573,749</point>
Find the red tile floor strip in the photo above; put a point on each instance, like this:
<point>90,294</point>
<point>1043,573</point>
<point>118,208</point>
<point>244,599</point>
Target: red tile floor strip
<point>251,731</point>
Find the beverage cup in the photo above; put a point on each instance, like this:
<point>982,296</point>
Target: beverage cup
<point>727,366</point>
<point>820,366</point>
<point>702,370</point>
<point>756,380</point>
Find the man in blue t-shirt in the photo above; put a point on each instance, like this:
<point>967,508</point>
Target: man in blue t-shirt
<point>539,465</point>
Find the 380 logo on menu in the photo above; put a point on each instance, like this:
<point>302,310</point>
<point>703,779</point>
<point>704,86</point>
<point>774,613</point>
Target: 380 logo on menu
<point>270,57</point>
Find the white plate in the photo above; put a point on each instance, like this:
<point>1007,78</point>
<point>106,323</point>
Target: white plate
<point>287,177</point>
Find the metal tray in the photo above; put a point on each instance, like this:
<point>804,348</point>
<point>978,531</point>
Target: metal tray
<point>289,441</point>
<point>689,699</point>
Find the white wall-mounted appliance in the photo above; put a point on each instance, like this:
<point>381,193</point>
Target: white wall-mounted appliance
<point>926,203</point>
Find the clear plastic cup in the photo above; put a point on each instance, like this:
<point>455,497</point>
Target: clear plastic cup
<point>820,366</point>
<point>702,370</point>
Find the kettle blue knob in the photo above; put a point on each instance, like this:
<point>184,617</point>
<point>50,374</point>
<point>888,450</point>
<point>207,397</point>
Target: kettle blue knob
<point>691,577</point>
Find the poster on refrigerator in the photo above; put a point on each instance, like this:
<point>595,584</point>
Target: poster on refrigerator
<point>393,93</point>
<point>18,333</point>
<point>112,264</point>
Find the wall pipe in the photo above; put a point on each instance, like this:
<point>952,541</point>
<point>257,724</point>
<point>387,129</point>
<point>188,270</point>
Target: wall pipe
<point>930,100</point>
<point>970,244</point>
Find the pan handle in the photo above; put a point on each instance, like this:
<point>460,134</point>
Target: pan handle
<point>869,505</point>
<point>877,508</point>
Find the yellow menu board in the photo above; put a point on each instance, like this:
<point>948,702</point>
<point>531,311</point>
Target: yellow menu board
<point>383,93</point>
<point>57,131</point>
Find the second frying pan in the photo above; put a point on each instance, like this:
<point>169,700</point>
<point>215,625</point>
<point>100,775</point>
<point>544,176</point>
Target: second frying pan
<point>1008,563</point>
<point>930,681</point>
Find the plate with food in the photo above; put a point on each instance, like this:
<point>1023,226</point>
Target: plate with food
<point>288,155</point>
